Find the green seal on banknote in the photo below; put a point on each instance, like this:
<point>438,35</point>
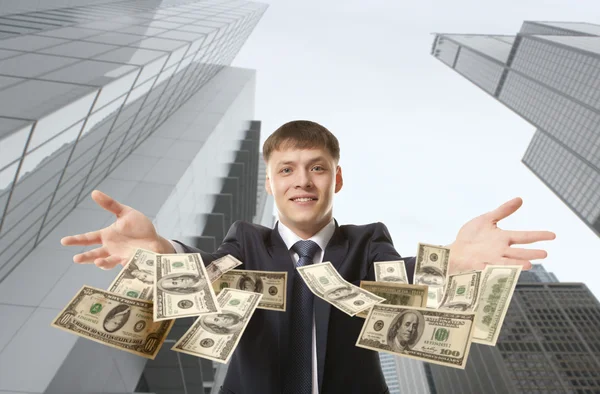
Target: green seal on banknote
<point>96,308</point>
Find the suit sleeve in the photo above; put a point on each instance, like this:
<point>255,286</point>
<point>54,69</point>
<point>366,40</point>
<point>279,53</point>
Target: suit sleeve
<point>232,244</point>
<point>382,248</point>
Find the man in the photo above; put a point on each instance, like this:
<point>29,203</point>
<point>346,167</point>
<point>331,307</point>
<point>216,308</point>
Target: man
<point>309,348</point>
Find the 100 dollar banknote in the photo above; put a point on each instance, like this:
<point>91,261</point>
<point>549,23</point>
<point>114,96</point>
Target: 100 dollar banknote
<point>136,279</point>
<point>423,334</point>
<point>182,287</point>
<point>215,336</point>
<point>271,284</point>
<point>431,270</point>
<point>326,283</point>
<point>462,292</point>
<point>217,268</point>
<point>390,271</point>
<point>395,294</point>
<point>497,286</point>
<point>121,322</point>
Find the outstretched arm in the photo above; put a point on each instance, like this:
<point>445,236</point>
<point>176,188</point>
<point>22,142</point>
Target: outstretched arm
<point>481,242</point>
<point>131,230</point>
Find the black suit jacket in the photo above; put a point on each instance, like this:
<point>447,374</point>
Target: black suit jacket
<point>257,365</point>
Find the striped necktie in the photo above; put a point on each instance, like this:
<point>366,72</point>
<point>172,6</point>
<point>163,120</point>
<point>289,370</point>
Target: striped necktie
<point>299,377</point>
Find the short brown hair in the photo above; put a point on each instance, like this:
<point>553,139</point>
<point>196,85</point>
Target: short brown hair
<point>302,134</point>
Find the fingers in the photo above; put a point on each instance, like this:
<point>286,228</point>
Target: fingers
<point>108,262</point>
<point>505,210</point>
<point>529,237</point>
<point>91,255</point>
<point>91,238</point>
<point>108,203</point>
<point>525,254</point>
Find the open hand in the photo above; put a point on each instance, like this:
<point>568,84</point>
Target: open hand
<point>480,242</point>
<point>130,231</point>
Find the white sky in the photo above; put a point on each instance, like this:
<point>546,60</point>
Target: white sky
<point>423,150</point>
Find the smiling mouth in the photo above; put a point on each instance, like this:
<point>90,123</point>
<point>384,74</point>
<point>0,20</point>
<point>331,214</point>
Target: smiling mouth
<point>303,199</point>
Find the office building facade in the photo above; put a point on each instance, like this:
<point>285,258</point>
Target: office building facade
<point>549,74</point>
<point>549,343</point>
<point>136,99</point>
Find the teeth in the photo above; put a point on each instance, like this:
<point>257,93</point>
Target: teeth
<point>303,199</point>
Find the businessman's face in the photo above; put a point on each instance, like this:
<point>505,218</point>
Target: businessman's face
<point>303,183</point>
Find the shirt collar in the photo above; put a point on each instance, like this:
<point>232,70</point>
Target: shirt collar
<point>321,238</point>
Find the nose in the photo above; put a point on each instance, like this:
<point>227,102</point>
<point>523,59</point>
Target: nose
<point>303,179</point>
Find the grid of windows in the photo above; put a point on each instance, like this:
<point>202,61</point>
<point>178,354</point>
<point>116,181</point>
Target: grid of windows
<point>580,27</point>
<point>481,71</point>
<point>446,51</point>
<point>570,123</point>
<point>589,44</point>
<point>12,25</point>
<point>89,113</point>
<point>537,274</point>
<point>569,71</point>
<point>484,44</point>
<point>547,341</point>
<point>541,28</point>
<point>577,183</point>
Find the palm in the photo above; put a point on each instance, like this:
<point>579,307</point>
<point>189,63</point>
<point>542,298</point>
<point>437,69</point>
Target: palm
<point>480,242</point>
<point>131,230</point>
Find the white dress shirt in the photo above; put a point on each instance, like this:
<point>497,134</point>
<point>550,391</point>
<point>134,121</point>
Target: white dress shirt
<point>290,238</point>
<point>322,239</point>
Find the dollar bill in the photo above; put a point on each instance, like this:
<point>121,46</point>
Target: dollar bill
<point>216,336</point>
<point>395,294</point>
<point>136,279</point>
<point>182,287</point>
<point>326,283</point>
<point>271,284</point>
<point>218,267</point>
<point>390,271</point>
<point>114,320</point>
<point>431,270</point>
<point>497,287</point>
<point>434,336</point>
<point>462,292</point>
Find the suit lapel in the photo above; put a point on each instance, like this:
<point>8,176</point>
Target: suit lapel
<point>335,251</point>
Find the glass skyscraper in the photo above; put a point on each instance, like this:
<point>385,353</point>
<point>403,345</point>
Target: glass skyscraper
<point>549,343</point>
<point>549,74</point>
<point>136,99</point>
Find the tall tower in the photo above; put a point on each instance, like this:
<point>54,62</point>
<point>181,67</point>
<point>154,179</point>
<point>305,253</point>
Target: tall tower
<point>134,98</point>
<point>549,343</point>
<point>549,74</point>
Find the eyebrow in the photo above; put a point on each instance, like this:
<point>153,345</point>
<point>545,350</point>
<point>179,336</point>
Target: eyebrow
<point>287,162</point>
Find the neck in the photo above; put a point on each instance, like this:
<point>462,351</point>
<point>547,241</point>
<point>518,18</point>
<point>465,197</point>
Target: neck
<point>306,232</point>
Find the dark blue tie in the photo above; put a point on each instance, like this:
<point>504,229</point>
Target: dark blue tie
<point>299,377</point>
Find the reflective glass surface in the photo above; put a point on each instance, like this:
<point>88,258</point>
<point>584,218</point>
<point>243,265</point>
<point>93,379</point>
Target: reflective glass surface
<point>78,49</point>
<point>12,145</point>
<point>33,99</point>
<point>64,118</point>
<point>32,65</point>
<point>30,42</point>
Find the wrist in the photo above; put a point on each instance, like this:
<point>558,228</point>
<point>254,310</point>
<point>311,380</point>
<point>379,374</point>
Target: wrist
<point>162,246</point>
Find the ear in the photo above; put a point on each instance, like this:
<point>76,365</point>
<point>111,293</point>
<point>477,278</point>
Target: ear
<point>268,185</point>
<point>339,180</point>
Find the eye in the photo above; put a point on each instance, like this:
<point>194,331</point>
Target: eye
<point>286,170</point>
<point>318,168</point>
